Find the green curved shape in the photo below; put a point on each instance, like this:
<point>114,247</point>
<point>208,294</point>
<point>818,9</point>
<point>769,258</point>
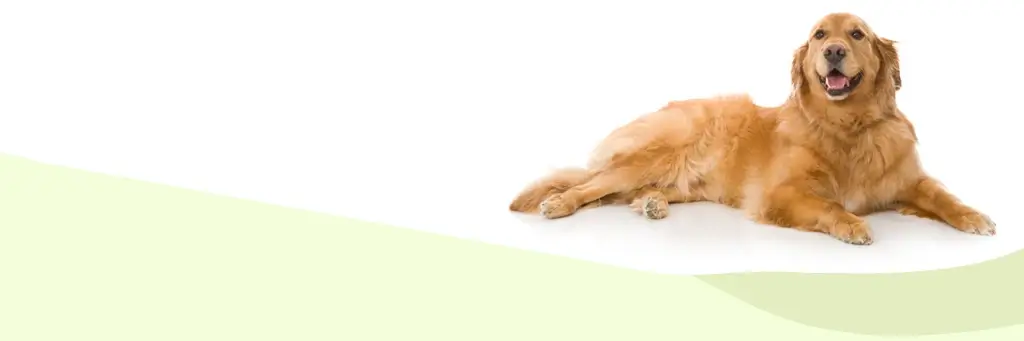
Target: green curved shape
<point>86,256</point>
<point>973,297</point>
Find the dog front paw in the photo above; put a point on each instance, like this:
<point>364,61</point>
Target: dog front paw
<point>974,222</point>
<point>854,232</point>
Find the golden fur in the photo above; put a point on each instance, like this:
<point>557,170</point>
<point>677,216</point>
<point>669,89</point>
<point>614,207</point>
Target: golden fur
<point>819,162</point>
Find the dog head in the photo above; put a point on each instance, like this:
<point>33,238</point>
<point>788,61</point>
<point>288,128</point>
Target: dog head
<point>844,58</point>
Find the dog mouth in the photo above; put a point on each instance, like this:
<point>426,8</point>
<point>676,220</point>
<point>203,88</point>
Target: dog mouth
<point>837,84</point>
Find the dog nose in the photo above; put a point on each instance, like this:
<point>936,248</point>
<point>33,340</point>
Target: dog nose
<point>835,53</point>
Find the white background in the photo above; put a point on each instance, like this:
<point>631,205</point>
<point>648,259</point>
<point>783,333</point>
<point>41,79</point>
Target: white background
<point>433,114</point>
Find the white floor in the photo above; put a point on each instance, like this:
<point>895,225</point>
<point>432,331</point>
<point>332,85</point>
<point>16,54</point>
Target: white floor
<point>432,116</point>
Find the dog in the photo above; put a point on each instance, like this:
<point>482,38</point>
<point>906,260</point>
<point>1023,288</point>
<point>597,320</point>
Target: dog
<point>838,149</point>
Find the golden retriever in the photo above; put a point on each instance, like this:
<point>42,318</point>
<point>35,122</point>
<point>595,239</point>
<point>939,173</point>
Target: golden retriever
<point>836,150</point>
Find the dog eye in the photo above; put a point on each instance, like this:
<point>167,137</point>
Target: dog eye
<point>819,34</point>
<point>857,34</point>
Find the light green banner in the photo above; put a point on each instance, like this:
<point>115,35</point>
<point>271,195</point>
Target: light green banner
<point>85,256</point>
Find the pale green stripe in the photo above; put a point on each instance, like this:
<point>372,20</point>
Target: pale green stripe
<point>975,297</point>
<point>92,257</point>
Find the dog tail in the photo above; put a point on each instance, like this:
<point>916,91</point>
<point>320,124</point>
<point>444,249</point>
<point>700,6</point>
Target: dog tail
<point>528,201</point>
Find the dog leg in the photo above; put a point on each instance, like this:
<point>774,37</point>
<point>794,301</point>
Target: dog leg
<point>929,197</point>
<point>797,207</point>
<point>912,210</point>
<point>566,203</point>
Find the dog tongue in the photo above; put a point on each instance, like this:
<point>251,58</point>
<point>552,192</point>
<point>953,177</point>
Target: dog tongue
<point>836,82</point>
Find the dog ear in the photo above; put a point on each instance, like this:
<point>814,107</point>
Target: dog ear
<point>890,61</point>
<point>797,69</point>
